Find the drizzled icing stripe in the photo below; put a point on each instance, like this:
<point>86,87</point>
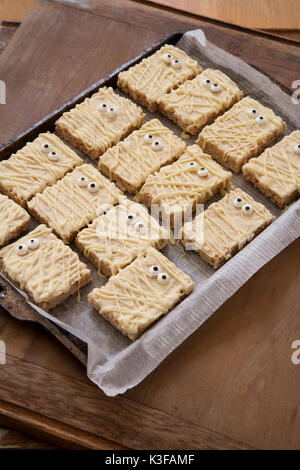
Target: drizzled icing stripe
<point>132,299</point>
<point>67,207</point>
<point>30,170</point>
<point>13,218</point>
<point>134,159</point>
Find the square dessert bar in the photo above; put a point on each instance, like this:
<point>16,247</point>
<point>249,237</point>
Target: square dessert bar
<point>276,172</point>
<point>99,122</point>
<point>158,74</point>
<point>74,201</point>
<point>13,220</point>
<point>241,133</point>
<point>193,179</point>
<point>198,102</point>
<point>141,293</point>
<point>225,227</point>
<point>115,239</point>
<point>140,154</point>
<point>44,267</point>
<point>38,164</point>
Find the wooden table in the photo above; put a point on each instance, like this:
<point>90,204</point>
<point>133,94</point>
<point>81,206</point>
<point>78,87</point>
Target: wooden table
<point>232,384</point>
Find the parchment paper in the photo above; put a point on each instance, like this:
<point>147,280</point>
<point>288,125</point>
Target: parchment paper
<point>116,364</point>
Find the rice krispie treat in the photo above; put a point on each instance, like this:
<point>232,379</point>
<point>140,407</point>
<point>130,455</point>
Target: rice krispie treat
<point>197,102</point>
<point>193,179</point>
<point>225,227</point>
<point>141,293</point>
<point>99,122</point>
<point>276,172</point>
<point>44,267</point>
<point>115,239</point>
<point>40,163</point>
<point>140,154</point>
<point>158,74</point>
<point>74,201</point>
<point>13,220</point>
<point>241,133</point>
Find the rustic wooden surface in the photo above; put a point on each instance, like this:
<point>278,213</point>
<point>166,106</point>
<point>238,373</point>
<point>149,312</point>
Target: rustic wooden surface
<point>232,384</point>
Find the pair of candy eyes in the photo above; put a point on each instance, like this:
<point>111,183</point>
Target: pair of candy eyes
<point>32,244</point>
<point>214,87</point>
<point>155,272</point>
<point>52,155</point>
<point>92,186</point>
<point>246,208</point>
<point>202,171</point>
<point>155,144</point>
<point>259,119</point>
<point>111,111</point>
<point>139,226</point>
<point>176,63</point>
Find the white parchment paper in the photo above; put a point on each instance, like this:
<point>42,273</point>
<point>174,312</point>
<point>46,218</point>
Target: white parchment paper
<point>114,363</point>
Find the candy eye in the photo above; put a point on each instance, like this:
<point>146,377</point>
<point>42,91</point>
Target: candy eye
<point>206,82</point>
<point>82,181</point>
<point>238,202</point>
<point>162,278</point>
<point>112,111</point>
<point>247,209</point>
<point>157,145</point>
<point>192,164</point>
<point>33,243</point>
<point>103,107</point>
<point>148,138</point>
<point>22,250</point>
<point>202,172</point>
<point>93,187</point>
<point>167,58</point>
<point>215,88</point>
<point>46,148</point>
<point>252,112</point>
<point>176,64</point>
<point>297,149</point>
<point>154,271</point>
<point>261,120</point>
<point>139,226</point>
<point>53,156</point>
<point>130,218</point>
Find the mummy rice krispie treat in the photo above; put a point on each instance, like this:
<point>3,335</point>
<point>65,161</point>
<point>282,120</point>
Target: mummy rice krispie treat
<point>44,267</point>
<point>225,227</point>
<point>157,74</point>
<point>276,172</point>
<point>140,154</point>
<point>115,239</point>
<point>74,201</point>
<point>193,179</point>
<point>40,163</point>
<point>13,220</point>
<point>198,102</point>
<point>241,133</point>
<point>99,122</point>
<point>141,293</point>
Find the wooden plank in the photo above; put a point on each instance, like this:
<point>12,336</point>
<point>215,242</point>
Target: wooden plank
<point>84,407</point>
<point>273,14</point>
<point>15,10</point>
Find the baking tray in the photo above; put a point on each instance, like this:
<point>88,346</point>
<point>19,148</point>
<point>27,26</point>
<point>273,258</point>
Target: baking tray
<point>10,299</point>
